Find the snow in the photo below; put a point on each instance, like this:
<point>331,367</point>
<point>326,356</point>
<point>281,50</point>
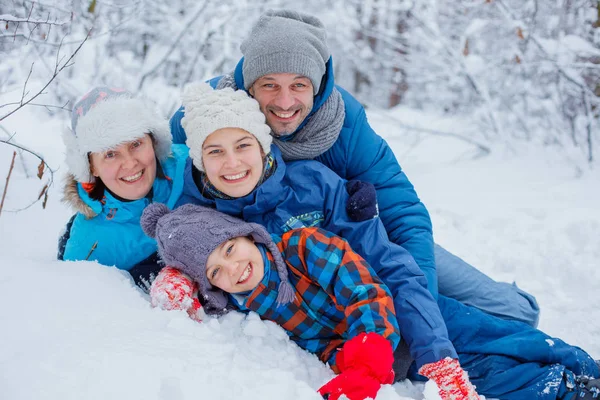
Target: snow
<point>578,44</point>
<point>78,330</point>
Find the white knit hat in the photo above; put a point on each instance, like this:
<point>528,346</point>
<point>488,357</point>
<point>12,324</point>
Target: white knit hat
<point>207,110</point>
<point>106,117</point>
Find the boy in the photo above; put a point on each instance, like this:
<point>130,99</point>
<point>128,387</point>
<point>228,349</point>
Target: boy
<point>324,295</point>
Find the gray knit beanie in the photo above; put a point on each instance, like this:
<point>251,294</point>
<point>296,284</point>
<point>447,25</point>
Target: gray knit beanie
<point>207,110</point>
<point>107,117</point>
<point>285,41</point>
<point>187,236</point>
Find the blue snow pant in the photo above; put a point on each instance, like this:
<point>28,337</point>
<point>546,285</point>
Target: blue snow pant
<point>461,281</point>
<point>510,360</point>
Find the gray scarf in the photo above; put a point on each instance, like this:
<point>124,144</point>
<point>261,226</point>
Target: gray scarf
<point>317,135</point>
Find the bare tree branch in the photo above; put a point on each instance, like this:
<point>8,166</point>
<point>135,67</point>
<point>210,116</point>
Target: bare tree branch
<point>58,68</point>
<point>12,164</point>
<point>477,86</point>
<point>10,18</point>
<point>23,164</point>
<point>483,149</point>
<point>43,164</point>
<point>192,20</point>
<point>47,106</point>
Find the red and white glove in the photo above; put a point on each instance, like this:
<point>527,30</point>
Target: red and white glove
<point>365,363</point>
<point>174,290</point>
<point>452,381</point>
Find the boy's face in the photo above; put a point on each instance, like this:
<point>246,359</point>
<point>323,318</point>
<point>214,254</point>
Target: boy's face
<point>235,266</point>
<point>233,161</point>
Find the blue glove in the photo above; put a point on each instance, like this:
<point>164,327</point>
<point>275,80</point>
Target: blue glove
<point>362,204</point>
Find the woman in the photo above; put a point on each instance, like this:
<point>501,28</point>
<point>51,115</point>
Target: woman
<point>120,159</point>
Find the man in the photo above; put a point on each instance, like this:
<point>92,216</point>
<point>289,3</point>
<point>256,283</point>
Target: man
<point>288,69</point>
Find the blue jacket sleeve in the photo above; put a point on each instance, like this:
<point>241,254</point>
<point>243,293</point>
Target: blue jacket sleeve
<point>359,153</point>
<point>419,318</point>
<point>144,272</point>
<point>64,238</point>
<point>177,131</point>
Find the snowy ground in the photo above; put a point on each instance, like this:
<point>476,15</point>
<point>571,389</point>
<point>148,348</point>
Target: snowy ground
<point>81,331</point>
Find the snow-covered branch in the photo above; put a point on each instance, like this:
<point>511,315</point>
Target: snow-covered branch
<point>9,18</point>
<point>59,66</point>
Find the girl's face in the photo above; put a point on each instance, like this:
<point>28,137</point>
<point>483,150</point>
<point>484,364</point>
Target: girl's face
<point>127,170</point>
<point>235,266</point>
<point>233,161</point>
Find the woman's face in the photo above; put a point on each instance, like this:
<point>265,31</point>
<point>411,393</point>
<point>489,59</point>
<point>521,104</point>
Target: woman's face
<point>127,170</point>
<point>233,161</point>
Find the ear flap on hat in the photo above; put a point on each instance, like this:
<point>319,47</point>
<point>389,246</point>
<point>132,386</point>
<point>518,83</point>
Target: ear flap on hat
<point>150,217</point>
<point>78,163</point>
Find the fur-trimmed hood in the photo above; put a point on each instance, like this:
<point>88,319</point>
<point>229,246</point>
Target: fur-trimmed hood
<point>72,197</point>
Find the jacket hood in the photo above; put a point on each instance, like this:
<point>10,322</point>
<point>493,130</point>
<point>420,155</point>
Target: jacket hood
<point>72,197</point>
<point>327,86</point>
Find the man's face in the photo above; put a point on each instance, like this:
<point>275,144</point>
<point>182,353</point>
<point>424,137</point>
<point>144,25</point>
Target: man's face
<point>285,99</point>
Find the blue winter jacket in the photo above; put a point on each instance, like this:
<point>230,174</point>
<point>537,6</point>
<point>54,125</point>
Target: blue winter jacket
<point>306,193</point>
<point>359,153</point>
<point>115,229</point>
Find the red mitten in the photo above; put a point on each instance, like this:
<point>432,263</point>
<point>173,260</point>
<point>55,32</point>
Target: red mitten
<point>174,290</point>
<point>452,381</point>
<point>365,363</point>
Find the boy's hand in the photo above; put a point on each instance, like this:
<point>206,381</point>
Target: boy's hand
<point>174,290</point>
<point>365,363</point>
<point>453,383</point>
<point>362,203</point>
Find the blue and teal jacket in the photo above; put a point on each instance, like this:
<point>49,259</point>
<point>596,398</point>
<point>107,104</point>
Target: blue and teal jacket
<point>109,231</point>
<point>306,194</point>
<point>359,153</point>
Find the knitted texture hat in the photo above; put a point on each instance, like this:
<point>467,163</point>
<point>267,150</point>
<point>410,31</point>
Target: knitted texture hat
<point>207,110</point>
<point>285,41</point>
<point>106,117</point>
<point>187,236</point>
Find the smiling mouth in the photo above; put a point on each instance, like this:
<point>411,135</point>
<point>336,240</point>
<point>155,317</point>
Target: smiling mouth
<point>245,275</point>
<point>285,115</point>
<point>236,177</point>
<point>133,178</point>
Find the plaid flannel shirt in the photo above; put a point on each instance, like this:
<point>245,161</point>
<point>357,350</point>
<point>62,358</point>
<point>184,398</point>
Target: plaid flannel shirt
<point>338,295</point>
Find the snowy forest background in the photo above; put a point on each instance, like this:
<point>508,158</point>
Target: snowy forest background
<point>521,72</point>
<point>491,107</point>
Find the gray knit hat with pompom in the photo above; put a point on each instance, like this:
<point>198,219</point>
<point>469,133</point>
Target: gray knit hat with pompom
<point>285,41</point>
<point>187,236</point>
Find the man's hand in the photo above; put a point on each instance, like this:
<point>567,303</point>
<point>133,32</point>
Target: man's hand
<point>362,204</point>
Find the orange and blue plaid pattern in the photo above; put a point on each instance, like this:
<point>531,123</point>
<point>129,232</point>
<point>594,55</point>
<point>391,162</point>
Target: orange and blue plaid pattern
<point>338,295</point>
